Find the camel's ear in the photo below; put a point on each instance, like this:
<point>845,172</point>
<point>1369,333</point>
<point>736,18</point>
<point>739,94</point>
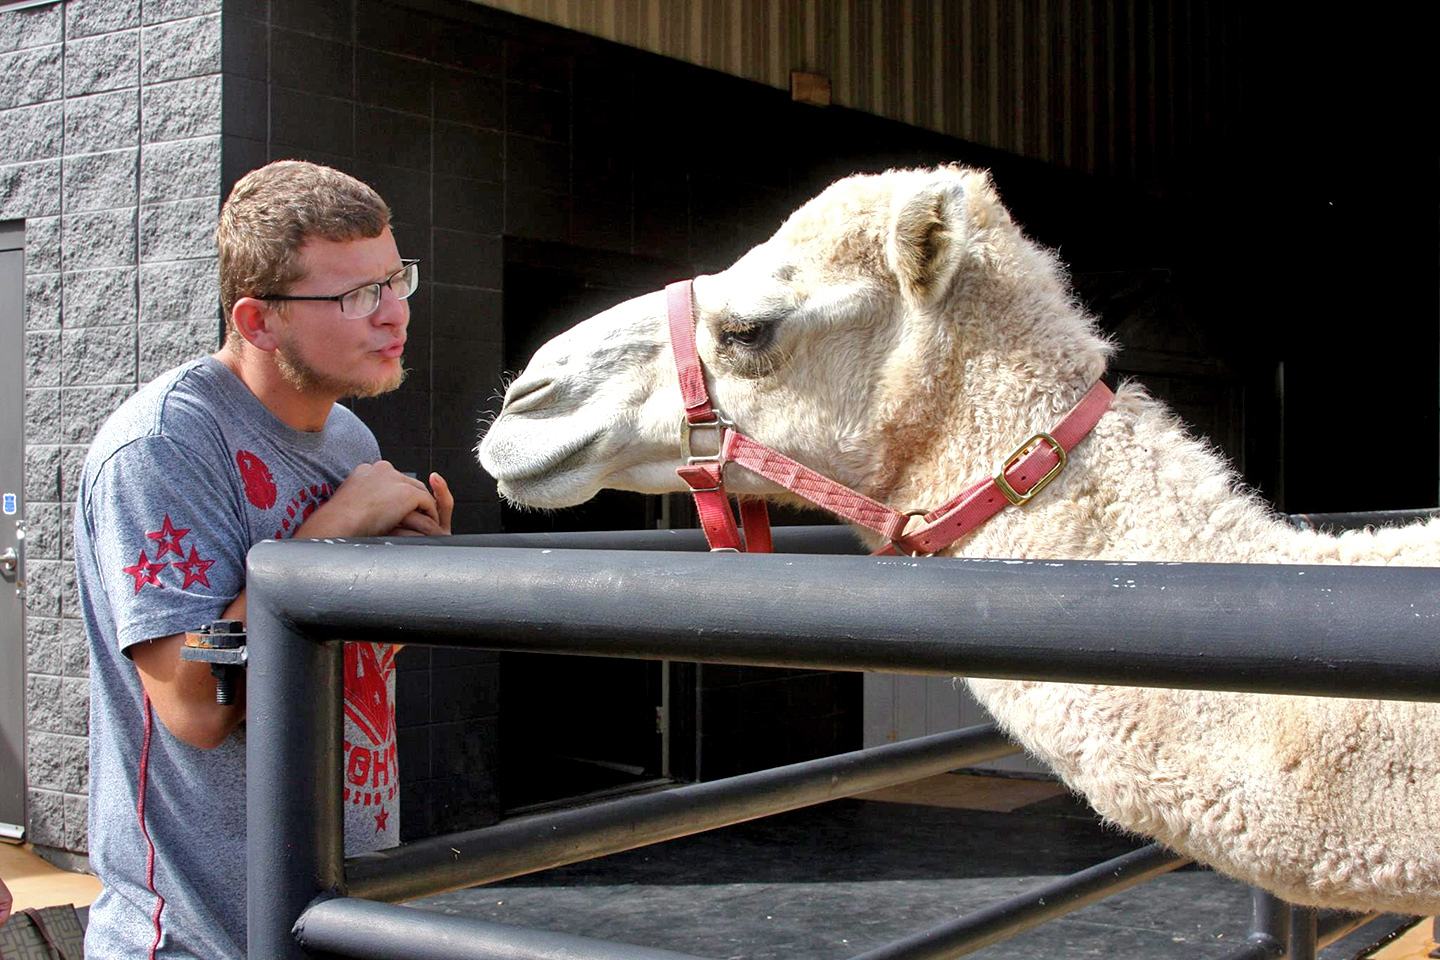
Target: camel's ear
<point>925,232</point>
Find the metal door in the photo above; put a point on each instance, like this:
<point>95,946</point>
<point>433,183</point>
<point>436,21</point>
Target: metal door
<point>12,514</point>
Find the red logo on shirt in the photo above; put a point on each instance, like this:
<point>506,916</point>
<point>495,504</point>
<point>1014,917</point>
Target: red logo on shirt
<point>170,539</point>
<point>367,691</point>
<point>194,569</point>
<point>371,771</point>
<point>167,539</point>
<point>259,483</point>
<point>145,572</point>
<point>298,510</point>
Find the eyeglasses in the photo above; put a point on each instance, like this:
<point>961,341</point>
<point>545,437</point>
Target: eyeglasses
<point>362,301</point>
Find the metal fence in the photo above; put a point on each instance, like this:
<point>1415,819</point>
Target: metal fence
<point>1317,631</point>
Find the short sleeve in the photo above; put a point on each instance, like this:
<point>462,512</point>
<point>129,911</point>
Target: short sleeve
<point>168,537</point>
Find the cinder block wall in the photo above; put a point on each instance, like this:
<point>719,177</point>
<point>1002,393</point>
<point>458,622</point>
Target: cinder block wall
<point>110,150</point>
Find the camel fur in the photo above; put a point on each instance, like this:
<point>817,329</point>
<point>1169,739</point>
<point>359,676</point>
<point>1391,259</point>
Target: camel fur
<point>901,335</point>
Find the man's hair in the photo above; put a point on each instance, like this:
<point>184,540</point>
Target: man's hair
<point>269,216</point>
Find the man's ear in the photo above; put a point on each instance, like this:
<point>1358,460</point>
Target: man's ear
<point>258,322</point>
<point>926,228</point>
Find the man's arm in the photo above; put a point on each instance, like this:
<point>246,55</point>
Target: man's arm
<point>374,499</point>
<point>182,692</point>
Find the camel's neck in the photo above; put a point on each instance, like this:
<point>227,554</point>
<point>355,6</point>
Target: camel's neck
<point>1138,487</point>
<point>1012,358</point>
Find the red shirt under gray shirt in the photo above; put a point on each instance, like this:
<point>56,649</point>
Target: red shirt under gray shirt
<point>179,483</point>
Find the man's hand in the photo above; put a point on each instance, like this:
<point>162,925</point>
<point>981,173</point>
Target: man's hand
<point>418,524</point>
<point>375,499</point>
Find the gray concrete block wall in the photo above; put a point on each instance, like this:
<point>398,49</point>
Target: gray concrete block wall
<point>110,151</point>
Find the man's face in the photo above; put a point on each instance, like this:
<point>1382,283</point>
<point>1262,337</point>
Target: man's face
<point>322,352</point>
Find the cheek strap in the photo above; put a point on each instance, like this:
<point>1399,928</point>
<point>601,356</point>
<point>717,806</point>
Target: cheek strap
<point>1033,465</point>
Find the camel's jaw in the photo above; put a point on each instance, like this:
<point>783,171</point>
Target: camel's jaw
<point>574,422</point>
<point>565,462</point>
<point>542,464</point>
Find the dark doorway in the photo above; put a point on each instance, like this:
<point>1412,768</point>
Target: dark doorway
<point>577,726</point>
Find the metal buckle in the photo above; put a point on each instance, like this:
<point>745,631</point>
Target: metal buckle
<point>1010,492</point>
<point>901,550</point>
<point>686,427</point>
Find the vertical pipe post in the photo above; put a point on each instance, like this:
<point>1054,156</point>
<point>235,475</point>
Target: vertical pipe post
<point>294,826</point>
<point>1304,933</point>
<point>1269,921</point>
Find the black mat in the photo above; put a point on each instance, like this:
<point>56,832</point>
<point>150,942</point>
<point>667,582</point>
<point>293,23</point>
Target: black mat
<point>836,880</point>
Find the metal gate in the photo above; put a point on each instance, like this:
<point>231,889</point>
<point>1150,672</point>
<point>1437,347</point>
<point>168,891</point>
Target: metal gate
<point>1179,626</point>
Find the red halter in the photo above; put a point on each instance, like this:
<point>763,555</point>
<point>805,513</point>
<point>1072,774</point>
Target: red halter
<point>1025,473</point>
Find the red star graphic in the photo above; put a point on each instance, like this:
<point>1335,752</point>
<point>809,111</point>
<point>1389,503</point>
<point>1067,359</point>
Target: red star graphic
<point>168,539</point>
<point>194,569</point>
<point>381,818</point>
<point>144,572</point>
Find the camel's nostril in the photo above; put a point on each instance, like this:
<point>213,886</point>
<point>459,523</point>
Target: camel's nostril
<point>526,394</point>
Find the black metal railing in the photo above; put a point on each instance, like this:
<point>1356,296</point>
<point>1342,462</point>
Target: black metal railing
<point>1311,630</point>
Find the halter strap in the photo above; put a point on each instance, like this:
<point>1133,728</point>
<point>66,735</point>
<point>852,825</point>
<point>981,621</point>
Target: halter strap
<point>1024,474</point>
<point>679,302</point>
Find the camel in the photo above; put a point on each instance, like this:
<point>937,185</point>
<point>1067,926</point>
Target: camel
<point>900,334</point>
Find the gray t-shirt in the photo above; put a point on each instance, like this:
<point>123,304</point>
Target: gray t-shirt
<point>179,483</point>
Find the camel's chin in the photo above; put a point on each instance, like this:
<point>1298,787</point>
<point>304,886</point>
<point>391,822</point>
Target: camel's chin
<point>547,492</point>
<point>569,488</point>
<point>548,482</point>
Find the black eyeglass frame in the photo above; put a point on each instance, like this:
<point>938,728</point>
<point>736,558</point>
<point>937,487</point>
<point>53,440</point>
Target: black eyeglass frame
<point>404,265</point>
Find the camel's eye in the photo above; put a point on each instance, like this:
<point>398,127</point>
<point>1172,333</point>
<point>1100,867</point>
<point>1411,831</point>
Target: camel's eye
<point>752,336</point>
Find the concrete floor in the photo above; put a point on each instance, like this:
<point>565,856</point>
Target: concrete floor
<point>836,880</point>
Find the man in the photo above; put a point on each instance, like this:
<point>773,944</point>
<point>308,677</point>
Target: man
<point>180,482</point>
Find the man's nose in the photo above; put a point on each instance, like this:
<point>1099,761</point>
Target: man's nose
<point>392,312</point>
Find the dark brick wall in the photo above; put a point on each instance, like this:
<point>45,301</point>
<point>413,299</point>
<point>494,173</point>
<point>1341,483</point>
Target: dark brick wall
<point>477,126</point>
<point>414,105</point>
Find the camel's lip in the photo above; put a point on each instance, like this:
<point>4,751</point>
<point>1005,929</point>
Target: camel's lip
<point>524,396</point>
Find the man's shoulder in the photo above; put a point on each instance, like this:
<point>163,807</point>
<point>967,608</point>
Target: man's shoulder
<point>344,424</point>
<point>175,405</point>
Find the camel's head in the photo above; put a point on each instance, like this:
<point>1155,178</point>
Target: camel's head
<point>812,343</point>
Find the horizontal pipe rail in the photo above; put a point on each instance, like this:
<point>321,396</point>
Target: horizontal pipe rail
<point>1003,920</point>
<point>1310,630</point>
<point>823,539</point>
<point>527,844</point>
<point>366,930</point>
<point>1338,522</point>
<point>1333,925</point>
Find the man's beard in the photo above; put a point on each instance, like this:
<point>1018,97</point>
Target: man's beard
<point>307,379</point>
